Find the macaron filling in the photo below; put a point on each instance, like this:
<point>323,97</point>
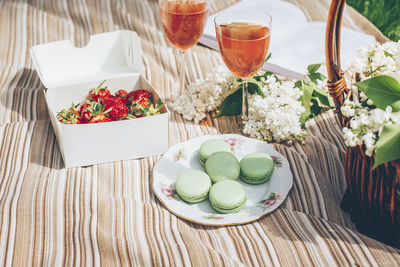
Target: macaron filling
<point>202,161</point>
<point>251,180</point>
<point>231,210</point>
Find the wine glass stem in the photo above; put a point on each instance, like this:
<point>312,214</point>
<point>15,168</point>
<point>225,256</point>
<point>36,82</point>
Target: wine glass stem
<point>183,71</point>
<point>245,100</point>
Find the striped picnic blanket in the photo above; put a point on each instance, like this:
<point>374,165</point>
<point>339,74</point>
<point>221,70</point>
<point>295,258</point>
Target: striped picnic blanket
<point>107,214</point>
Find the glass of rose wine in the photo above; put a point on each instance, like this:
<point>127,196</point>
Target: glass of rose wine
<point>243,38</point>
<point>183,22</point>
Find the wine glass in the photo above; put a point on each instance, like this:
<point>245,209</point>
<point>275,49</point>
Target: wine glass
<point>243,38</point>
<point>183,22</point>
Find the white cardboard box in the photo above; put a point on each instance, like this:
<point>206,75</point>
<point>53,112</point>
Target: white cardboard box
<point>69,73</point>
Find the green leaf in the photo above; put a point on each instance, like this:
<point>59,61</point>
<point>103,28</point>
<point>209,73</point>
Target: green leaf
<point>387,54</point>
<point>305,100</point>
<point>317,76</point>
<point>388,145</point>
<point>298,84</point>
<point>323,96</point>
<point>231,105</point>
<point>315,108</point>
<point>236,85</point>
<point>313,68</point>
<point>383,91</point>
<point>159,104</point>
<point>255,86</point>
<point>268,57</point>
<point>265,75</point>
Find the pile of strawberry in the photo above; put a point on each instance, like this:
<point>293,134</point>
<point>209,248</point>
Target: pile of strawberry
<point>102,106</point>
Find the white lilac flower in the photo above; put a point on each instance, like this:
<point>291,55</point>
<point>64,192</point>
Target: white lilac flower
<point>370,102</point>
<point>351,139</point>
<point>395,117</point>
<point>365,127</point>
<point>273,117</point>
<point>378,59</point>
<point>366,122</point>
<point>348,108</point>
<point>369,140</point>
<point>363,97</point>
<point>277,115</point>
<point>203,96</point>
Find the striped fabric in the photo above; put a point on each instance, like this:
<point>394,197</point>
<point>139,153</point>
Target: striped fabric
<point>107,214</point>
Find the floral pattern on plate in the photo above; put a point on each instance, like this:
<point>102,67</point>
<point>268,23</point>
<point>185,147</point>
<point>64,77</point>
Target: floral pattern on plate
<point>180,154</point>
<point>234,142</point>
<point>277,160</point>
<point>213,217</point>
<point>270,201</point>
<point>169,192</point>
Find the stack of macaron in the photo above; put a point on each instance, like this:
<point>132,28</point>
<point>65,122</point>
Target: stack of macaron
<point>211,146</point>
<point>222,169</point>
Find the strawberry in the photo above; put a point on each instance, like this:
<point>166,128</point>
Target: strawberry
<point>139,107</point>
<point>122,94</point>
<point>93,112</point>
<point>87,110</point>
<point>99,92</point>
<point>139,101</point>
<point>137,95</point>
<point>145,102</point>
<point>118,108</point>
<point>69,115</point>
<point>100,118</point>
<point>144,107</point>
<point>99,115</point>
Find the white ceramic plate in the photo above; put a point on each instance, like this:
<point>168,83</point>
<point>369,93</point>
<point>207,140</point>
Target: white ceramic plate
<point>261,199</point>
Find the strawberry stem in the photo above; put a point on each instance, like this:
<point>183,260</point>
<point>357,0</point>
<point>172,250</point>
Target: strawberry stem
<point>108,110</point>
<point>99,86</point>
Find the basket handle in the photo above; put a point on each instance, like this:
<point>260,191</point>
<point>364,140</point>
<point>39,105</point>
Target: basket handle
<point>336,82</point>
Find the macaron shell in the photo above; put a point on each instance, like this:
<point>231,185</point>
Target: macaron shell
<point>194,199</point>
<point>229,210</point>
<point>211,146</point>
<point>222,166</point>
<point>256,168</point>
<point>227,196</point>
<point>193,185</point>
<point>251,180</point>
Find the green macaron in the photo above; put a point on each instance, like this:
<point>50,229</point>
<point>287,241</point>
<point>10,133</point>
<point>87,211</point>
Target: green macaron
<point>222,166</point>
<point>211,146</point>
<point>256,168</point>
<point>193,186</point>
<point>227,196</point>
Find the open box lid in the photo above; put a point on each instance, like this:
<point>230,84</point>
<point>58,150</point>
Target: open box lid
<point>107,55</point>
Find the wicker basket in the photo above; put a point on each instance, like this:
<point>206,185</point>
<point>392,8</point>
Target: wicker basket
<point>372,196</point>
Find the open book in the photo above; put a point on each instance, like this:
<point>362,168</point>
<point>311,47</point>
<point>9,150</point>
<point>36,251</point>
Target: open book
<point>295,42</point>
